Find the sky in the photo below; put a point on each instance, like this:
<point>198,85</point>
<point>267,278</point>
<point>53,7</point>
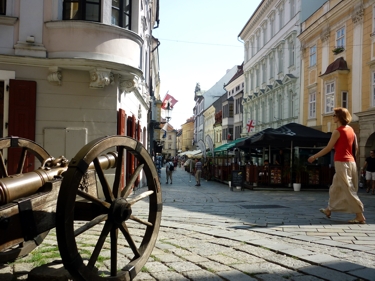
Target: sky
<point>198,43</point>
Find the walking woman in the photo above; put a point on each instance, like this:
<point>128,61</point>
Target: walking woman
<point>343,191</point>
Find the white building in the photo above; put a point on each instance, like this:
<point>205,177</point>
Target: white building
<point>82,68</point>
<point>232,107</point>
<point>272,63</point>
<point>205,99</point>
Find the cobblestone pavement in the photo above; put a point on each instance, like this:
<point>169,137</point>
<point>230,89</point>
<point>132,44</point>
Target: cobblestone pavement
<point>212,233</point>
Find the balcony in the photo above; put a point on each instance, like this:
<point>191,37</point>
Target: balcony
<point>94,41</point>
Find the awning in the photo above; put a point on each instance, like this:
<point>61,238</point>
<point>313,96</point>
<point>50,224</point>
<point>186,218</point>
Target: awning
<point>227,146</point>
<point>190,152</point>
<point>285,136</point>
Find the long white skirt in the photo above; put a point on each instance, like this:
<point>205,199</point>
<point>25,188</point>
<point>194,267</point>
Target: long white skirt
<point>343,191</point>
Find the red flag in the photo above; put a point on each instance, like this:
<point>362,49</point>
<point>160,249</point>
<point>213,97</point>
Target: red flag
<point>168,98</point>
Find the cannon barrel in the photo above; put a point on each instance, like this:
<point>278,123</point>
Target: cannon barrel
<point>21,185</point>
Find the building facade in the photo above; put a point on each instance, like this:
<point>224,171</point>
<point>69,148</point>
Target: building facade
<point>82,68</point>
<point>272,64</point>
<point>339,67</point>
<point>187,136</point>
<point>232,108</point>
<point>204,99</point>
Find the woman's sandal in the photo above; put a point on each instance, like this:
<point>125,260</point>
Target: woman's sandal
<point>324,211</point>
<point>355,221</point>
<point>368,190</point>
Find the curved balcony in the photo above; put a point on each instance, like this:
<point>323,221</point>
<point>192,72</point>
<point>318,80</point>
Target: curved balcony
<point>94,41</point>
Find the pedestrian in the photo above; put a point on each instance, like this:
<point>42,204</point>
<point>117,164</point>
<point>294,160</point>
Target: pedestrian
<point>369,166</point>
<point>169,169</point>
<point>343,191</point>
<point>198,171</point>
<point>158,164</point>
<point>280,158</point>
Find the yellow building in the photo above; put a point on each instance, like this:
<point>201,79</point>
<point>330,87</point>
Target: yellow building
<point>187,136</point>
<point>338,67</point>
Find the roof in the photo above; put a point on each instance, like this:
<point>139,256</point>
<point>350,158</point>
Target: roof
<point>235,76</point>
<point>338,64</point>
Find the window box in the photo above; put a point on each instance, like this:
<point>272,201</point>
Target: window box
<point>338,50</point>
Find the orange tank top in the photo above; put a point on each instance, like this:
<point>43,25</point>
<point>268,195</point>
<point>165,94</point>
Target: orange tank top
<point>343,146</point>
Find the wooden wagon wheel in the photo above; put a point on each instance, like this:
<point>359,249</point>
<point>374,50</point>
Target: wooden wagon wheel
<point>112,216</point>
<point>28,147</point>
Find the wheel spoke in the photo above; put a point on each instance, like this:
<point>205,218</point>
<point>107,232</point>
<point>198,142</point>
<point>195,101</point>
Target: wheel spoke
<point>106,189</point>
<point>140,197</point>
<point>90,224</point>
<point>114,233</point>
<point>21,163</point>
<point>126,191</point>
<point>93,199</point>
<point>98,247</point>
<point>140,221</point>
<point>3,169</point>
<point>128,238</point>
<point>119,167</point>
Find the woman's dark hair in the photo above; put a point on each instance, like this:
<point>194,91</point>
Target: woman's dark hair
<point>343,115</point>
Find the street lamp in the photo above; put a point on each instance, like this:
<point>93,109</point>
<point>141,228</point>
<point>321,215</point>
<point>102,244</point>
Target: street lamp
<point>168,112</point>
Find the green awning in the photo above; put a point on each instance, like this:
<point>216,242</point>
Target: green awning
<point>227,146</point>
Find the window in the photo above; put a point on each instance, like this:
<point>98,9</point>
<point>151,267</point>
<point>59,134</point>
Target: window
<point>292,8</point>
<point>257,77</point>
<point>329,97</point>
<point>291,54</point>
<point>312,105</point>
<point>272,70</point>
<point>340,37</point>
<point>264,71</point>
<point>281,106</point>
<point>373,89</point>
<point>169,137</point>
<point>82,10</point>
<point>281,18</point>
<point>225,111</point>
<point>231,110</point>
<point>272,27</point>
<point>121,13</point>
<point>265,34</point>
<point>373,20</point>
<point>3,7</point>
<point>344,99</point>
<point>281,61</point>
<point>313,55</point>
<point>238,108</point>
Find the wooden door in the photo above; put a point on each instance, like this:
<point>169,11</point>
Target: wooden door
<point>21,122</point>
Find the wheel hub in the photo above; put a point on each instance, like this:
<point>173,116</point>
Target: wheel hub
<point>120,210</point>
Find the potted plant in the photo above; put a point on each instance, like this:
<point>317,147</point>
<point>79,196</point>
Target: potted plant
<point>298,168</point>
<point>338,50</point>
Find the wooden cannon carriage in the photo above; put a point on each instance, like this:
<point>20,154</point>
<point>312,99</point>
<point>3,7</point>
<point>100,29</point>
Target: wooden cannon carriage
<point>66,195</point>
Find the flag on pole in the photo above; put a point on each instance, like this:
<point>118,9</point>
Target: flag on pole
<point>168,98</point>
<point>250,125</point>
<point>165,127</point>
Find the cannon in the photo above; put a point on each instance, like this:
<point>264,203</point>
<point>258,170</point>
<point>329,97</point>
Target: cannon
<point>76,196</point>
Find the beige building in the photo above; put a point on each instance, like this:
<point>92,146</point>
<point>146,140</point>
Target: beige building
<point>168,141</point>
<point>338,67</point>
<point>187,135</point>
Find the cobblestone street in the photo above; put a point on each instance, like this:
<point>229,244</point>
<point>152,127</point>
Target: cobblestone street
<point>212,233</point>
